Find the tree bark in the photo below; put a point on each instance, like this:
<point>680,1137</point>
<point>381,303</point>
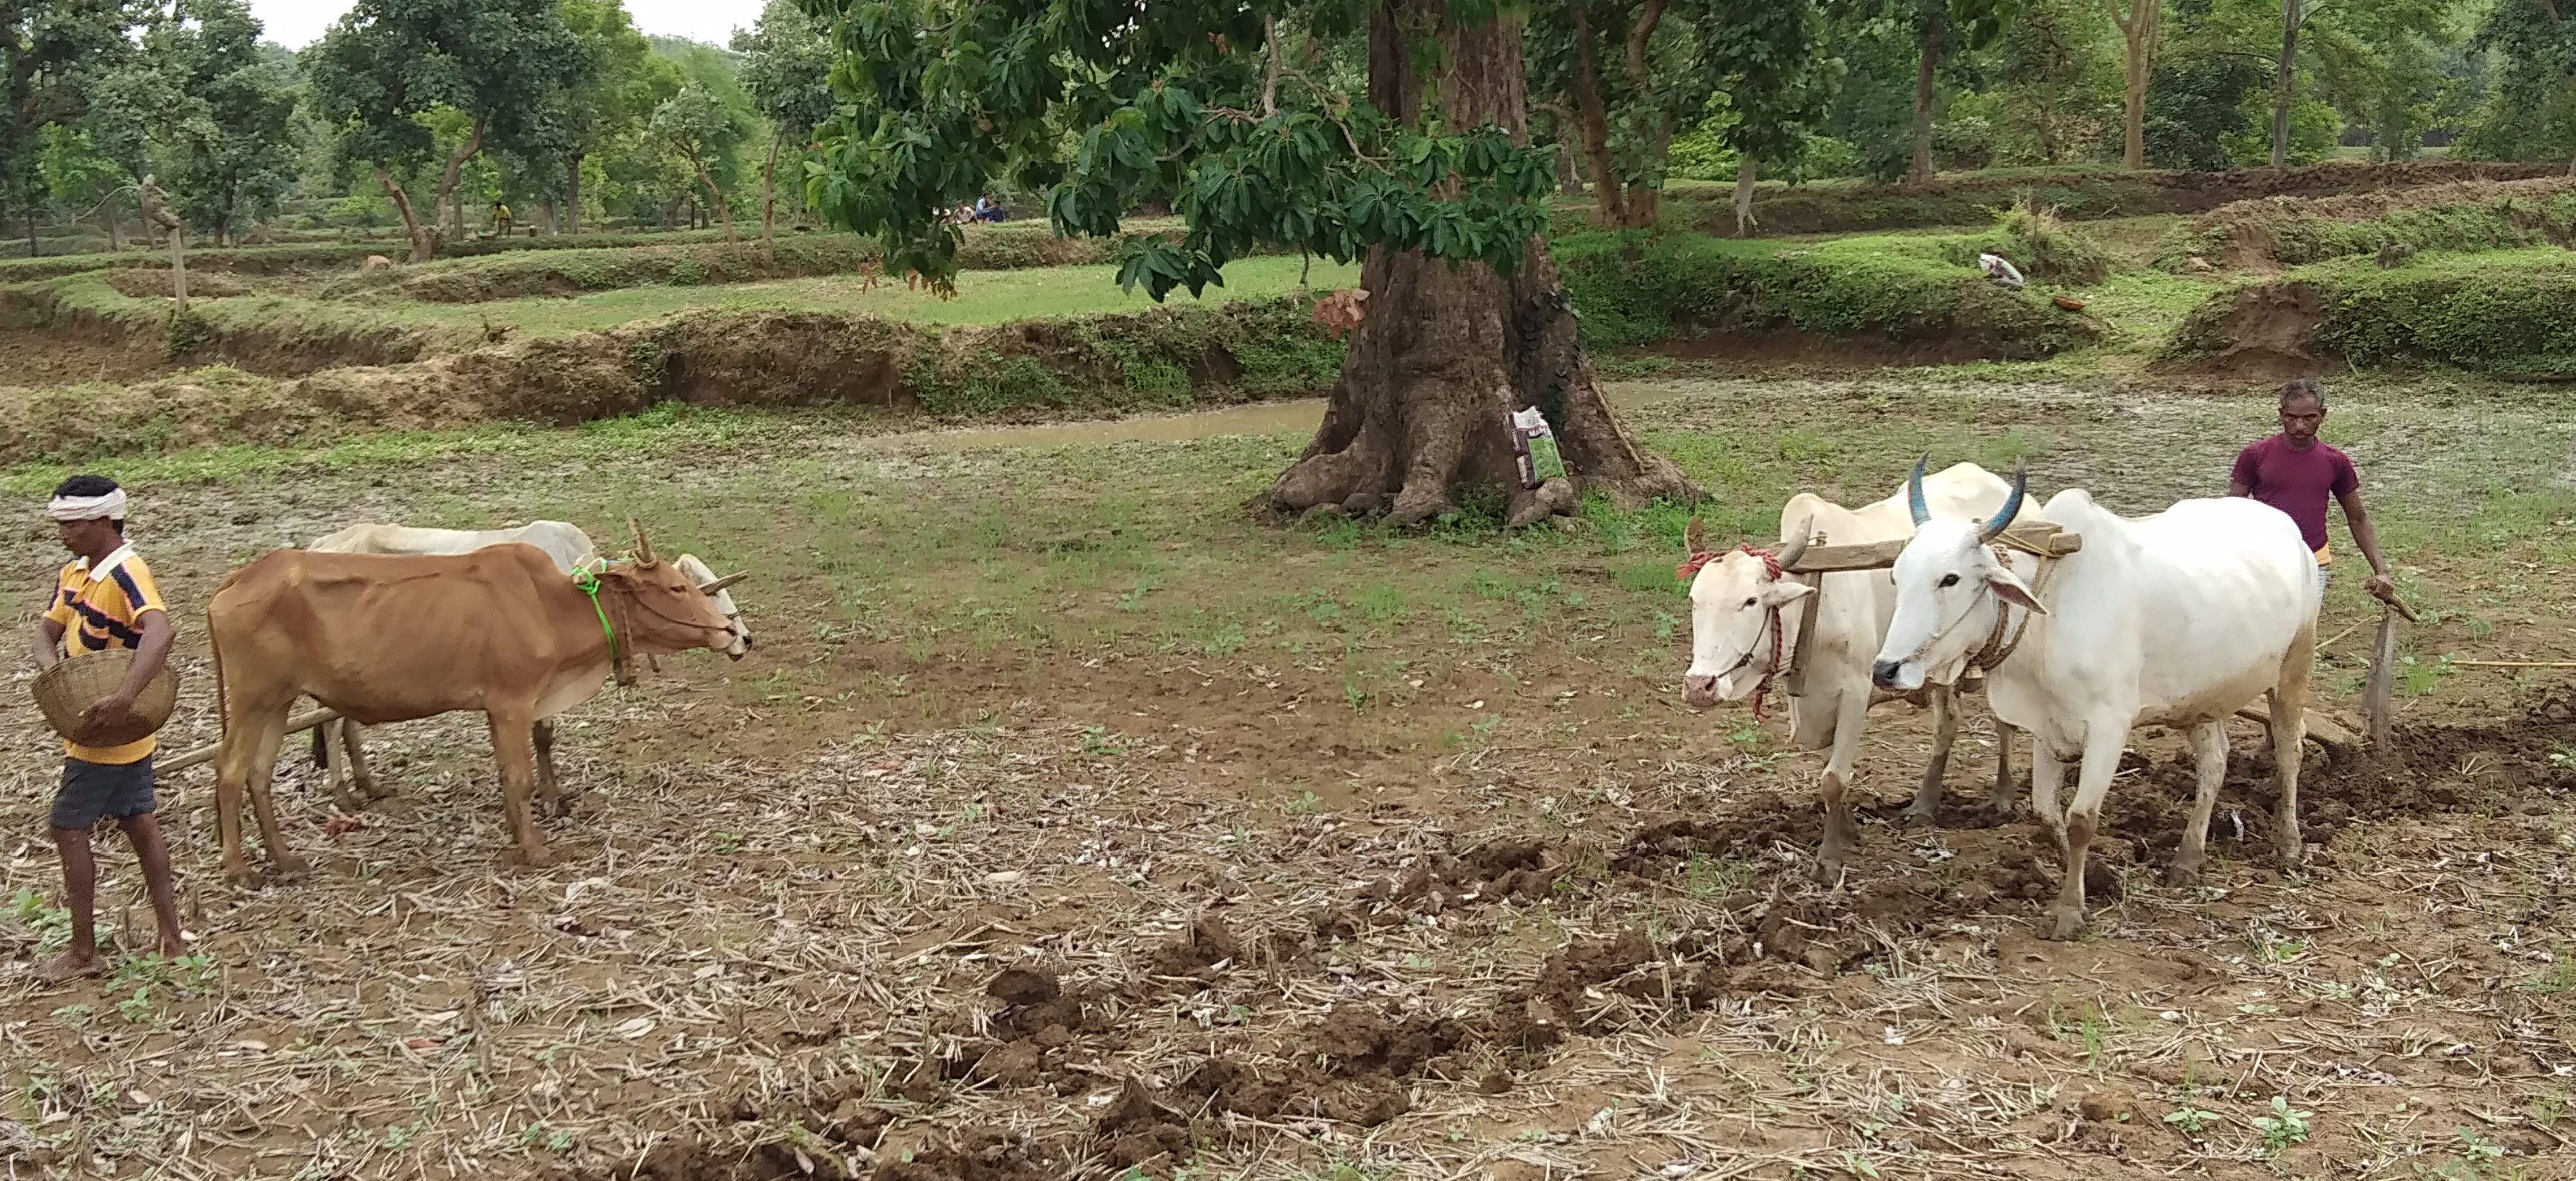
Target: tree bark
<point>572,197</point>
<point>2138,29</point>
<point>1928,43</point>
<point>769,200</point>
<point>424,239</point>
<point>1593,118</point>
<point>110,206</point>
<point>1446,352</point>
<point>2284,74</point>
<point>1569,179</point>
<point>447,198</point>
<point>1745,222</point>
<point>723,213</point>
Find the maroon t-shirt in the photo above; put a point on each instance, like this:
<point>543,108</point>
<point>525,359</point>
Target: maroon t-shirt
<point>2297,481</point>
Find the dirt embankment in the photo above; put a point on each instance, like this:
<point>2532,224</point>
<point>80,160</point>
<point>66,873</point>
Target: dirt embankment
<point>1171,356</point>
<point>2264,332</point>
<point>2281,231</point>
<point>1968,200</point>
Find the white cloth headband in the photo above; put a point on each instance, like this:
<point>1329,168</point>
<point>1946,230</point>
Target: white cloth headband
<point>87,508</point>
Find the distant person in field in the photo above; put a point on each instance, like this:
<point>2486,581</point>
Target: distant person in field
<point>2296,473</point>
<point>105,600</point>
<point>500,220</point>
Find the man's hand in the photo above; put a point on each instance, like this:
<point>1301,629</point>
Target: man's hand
<point>2380,586</point>
<point>111,710</point>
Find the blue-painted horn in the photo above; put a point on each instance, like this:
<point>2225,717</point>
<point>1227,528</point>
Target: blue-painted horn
<point>2012,506</point>
<point>1914,492</point>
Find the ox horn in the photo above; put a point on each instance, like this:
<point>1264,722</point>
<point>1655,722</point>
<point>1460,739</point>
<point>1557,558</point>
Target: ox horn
<point>1914,493</point>
<point>2012,507</point>
<point>1797,547</point>
<point>720,584</point>
<point>643,545</point>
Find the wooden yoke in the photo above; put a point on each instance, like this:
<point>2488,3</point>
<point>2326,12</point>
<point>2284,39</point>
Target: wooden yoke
<point>2039,538</point>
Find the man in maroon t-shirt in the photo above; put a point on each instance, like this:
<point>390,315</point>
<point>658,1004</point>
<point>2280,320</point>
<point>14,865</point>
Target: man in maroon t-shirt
<point>2295,473</point>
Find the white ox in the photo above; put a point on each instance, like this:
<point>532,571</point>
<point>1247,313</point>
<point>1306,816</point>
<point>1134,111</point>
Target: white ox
<point>2176,619</point>
<point>1741,616</point>
<point>563,542</point>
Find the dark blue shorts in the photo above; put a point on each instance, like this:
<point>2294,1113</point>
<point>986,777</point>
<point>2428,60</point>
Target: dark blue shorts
<point>92,792</point>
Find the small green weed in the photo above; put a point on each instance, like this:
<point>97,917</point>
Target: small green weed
<point>2282,1126</point>
<point>2192,1120</point>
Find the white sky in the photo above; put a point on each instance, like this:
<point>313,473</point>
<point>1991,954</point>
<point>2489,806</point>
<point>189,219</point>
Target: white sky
<point>298,23</point>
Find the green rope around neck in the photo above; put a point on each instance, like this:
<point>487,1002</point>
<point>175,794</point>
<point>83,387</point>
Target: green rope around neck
<point>587,581</point>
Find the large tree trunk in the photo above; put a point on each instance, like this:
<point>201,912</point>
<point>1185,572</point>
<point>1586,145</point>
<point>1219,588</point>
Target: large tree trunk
<point>572,197</point>
<point>1744,174</point>
<point>2284,73</point>
<point>424,239</point>
<point>447,198</point>
<point>1592,118</point>
<point>769,201</point>
<point>2138,28</point>
<point>1928,43</point>
<point>1446,352</point>
<point>722,211</point>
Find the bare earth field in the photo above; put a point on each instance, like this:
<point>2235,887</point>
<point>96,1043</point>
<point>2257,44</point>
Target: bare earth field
<point>1068,821</point>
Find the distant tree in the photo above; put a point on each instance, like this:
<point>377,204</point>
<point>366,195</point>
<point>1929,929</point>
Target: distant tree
<point>1944,27</point>
<point>786,68</point>
<point>1769,59</point>
<point>2196,105</point>
<point>2058,87</point>
<point>2379,63</point>
<point>2532,113</point>
<point>386,63</point>
<point>2141,25</point>
<point>79,176</point>
<point>1423,170</point>
<point>623,84</point>
<point>49,51</point>
<point>232,140</point>
<point>701,130</point>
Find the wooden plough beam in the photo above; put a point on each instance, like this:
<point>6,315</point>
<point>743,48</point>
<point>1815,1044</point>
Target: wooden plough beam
<point>206,754</point>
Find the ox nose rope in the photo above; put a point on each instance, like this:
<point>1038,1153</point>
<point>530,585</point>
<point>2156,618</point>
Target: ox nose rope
<point>1690,568</point>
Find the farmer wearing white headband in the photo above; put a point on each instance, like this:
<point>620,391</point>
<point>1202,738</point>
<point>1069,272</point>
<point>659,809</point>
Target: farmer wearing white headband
<point>105,599</point>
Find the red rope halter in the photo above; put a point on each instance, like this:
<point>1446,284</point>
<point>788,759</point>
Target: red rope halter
<point>1690,568</point>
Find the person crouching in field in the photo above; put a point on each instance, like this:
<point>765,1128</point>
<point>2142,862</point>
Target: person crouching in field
<point>2295,473</point>
<point>105,599</point>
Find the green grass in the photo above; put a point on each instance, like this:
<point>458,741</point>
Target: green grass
<point>983,297</point>
<point>1906,288</point>
<point>2501,312</point>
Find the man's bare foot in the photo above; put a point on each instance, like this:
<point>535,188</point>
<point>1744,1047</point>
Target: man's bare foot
<point>172,947</point>
<point>68,967</point>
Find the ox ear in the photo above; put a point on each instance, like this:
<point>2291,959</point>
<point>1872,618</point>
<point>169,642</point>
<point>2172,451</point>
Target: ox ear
<point>1695,537</point>
<point>1784,592</point>
<point>2009,587</point>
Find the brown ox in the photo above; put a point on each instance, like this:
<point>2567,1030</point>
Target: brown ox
<point>386,638</point>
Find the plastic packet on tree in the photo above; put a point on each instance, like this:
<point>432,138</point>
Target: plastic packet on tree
<point>1534,445</point>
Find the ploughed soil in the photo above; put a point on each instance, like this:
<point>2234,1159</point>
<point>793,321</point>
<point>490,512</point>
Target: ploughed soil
<point>965,908</point>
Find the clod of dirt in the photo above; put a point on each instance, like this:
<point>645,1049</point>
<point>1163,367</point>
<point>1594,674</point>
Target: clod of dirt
<point>1670,847</point>
<point>1195,959</point>
<point>2108,1106</point>
<point>979,1155</point>
<point>1020,986</point>
<point>1140,1133</point>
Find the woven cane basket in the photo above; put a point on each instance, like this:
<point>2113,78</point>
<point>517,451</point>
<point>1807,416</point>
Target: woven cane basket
<point>79,682</point>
